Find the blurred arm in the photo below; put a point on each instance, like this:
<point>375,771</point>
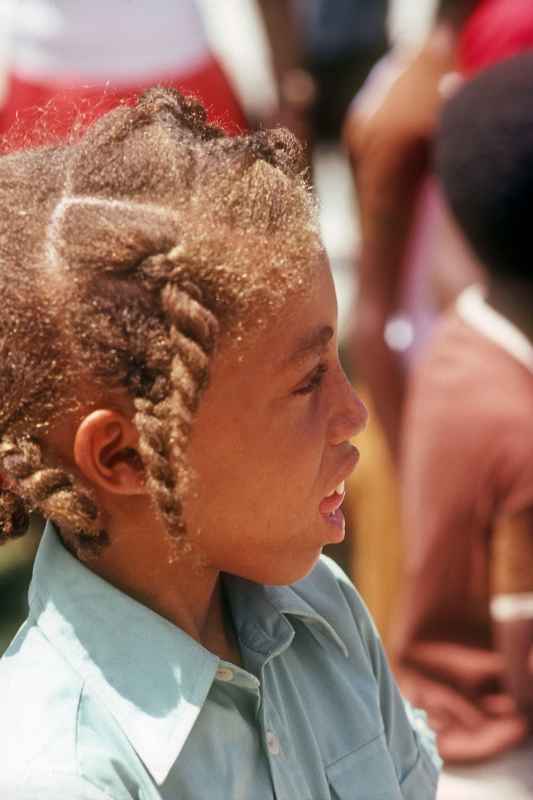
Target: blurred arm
<point>295,86</point>
<point>512,604</point>
<point>389,150</point>
<point>281,30</point>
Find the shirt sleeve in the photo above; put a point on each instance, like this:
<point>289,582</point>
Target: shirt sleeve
<point>411,742</point>
<point>55,786</point>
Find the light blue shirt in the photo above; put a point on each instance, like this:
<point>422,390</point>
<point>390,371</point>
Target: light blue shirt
<point>102,698</point>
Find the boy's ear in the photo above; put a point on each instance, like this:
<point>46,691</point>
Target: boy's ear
<point>105,451</point>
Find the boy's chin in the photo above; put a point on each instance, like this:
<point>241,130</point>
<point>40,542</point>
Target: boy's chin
<point>292,571</point>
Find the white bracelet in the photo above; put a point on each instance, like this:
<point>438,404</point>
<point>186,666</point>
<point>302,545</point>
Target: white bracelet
<point>507,607</point>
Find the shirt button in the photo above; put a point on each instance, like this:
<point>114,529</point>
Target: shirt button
<point>272,743</point>
<point>224,674</point>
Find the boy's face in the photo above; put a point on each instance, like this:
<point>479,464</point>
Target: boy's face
<point>270,441</point>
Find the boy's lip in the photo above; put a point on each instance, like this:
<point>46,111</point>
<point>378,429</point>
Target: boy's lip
<point>349,464</point>
<point>330,504</point>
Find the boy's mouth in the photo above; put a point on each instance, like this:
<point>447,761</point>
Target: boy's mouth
<point>330,507</point>
<point>331,512</point>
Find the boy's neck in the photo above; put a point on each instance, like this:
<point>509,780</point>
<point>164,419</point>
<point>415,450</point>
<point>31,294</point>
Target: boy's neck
<point>514,301</point>
<point>183,591</point>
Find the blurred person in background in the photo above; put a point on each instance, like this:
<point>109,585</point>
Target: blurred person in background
<point>389,133</point>
<point>413,261</point>
<point>88,57</point>
<point>322,50</point>
<point>465,628</point>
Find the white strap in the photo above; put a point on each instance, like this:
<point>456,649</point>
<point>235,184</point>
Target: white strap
<point>476,312</point>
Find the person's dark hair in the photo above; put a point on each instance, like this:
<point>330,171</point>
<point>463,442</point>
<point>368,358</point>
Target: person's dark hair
<point>125,257</point>
<point>456,12</point>
<point>484,158</point>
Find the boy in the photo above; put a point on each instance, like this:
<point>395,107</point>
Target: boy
<point>171,399</point>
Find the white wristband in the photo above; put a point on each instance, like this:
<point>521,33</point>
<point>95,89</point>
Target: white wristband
<point>507,607</point>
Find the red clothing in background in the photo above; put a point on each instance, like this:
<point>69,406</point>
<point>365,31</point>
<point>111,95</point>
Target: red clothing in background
<point>496,30</point>
<point>82,59</point>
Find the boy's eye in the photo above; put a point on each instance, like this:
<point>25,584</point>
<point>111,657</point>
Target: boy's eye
<point>313,381</point>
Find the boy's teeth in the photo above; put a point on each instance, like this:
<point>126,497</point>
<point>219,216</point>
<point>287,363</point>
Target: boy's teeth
<point>337,490</point>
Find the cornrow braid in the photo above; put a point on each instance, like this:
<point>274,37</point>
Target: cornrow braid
<point>53,492</point>
<point>164,427</point>
<point>14,517</point>
<point>190,114</point>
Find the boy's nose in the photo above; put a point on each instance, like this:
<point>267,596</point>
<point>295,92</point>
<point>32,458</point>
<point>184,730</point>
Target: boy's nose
<point>351,418</point>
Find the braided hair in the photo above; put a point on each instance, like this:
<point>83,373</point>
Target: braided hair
<point>126,257</point>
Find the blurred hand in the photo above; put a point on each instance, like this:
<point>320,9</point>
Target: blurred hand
<point>466,732</point>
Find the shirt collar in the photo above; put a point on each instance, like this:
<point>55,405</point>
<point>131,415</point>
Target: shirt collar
<point>151,676</point>
<point>266,629</point>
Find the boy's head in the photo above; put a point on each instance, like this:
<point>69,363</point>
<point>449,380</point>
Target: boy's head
<point>137,265</point>
<point>484,158</point>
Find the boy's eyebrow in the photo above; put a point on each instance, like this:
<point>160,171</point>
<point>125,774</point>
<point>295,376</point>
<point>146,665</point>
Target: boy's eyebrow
<point>312,343</point>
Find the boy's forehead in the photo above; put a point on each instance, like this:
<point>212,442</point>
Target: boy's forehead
<point>311,319</point>
<point>303,325</point>
<point>313,341</point>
